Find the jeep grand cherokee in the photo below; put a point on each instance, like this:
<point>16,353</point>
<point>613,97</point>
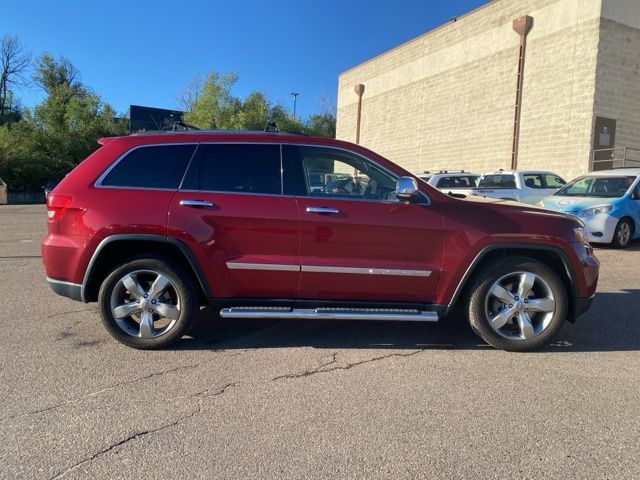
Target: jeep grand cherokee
<point>263,225</point>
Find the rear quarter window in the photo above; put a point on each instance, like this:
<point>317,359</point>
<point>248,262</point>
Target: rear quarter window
<point>155,167</point>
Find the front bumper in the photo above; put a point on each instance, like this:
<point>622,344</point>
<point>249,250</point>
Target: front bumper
<point>580,306</point>
<point>600,228</point>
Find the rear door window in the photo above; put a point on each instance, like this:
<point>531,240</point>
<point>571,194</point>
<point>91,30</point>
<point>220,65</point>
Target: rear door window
<point>458,182</point>
<point>152,167</point>
<point>236,168</point>
<point>533,180</point>
<point>498,181</point>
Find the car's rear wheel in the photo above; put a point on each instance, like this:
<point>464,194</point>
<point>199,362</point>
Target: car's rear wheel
<point>518,304</point>
<point>147,303</point>
<point>622,234</point>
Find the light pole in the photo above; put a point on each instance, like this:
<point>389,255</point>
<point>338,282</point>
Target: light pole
<point>359,89</point>
<point>295,100</point>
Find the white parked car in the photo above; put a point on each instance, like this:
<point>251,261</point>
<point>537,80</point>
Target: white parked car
<point>526,186</point>
<point>451,181</point>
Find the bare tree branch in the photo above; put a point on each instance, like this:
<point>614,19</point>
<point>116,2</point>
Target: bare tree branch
<point>187,97</point>
<point>14,63</point>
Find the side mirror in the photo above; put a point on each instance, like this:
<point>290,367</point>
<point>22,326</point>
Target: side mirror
<point>407,189</point>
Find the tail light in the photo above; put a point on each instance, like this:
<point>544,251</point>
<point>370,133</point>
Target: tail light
<point>57,206</point>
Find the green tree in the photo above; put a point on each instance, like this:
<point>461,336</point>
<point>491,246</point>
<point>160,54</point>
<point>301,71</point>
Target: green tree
<point>214,107</point>
<point>322,124</point>
<point>57,134</point>
<point>254,112</point>
<point>211,105</point>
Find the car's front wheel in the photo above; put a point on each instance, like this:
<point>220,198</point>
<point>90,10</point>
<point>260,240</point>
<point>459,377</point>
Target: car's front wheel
<point>622,234</point>
<point>518,304</point>
<point>147,303</point>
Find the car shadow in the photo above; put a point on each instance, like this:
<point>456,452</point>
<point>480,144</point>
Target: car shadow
<point>634,246</point>
<point>612,324</point>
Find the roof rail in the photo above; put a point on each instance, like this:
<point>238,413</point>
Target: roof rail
<point>221,132</point>
<point>271,127</point>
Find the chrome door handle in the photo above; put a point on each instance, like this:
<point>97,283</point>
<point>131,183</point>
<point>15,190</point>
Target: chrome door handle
<point>322,210</point>
<point>196,203</point>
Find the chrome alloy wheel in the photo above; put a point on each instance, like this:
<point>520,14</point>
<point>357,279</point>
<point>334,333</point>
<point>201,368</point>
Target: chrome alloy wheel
<point>624,233</point>
<point>145,304</point>
<point>519,306</point>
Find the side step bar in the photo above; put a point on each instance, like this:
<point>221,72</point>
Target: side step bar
<point>331,313</point>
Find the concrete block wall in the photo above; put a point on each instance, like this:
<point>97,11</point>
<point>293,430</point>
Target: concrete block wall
<point>617,92</point>
<point>446,100</point>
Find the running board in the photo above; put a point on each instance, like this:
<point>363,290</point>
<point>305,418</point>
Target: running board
<point>331,313</point>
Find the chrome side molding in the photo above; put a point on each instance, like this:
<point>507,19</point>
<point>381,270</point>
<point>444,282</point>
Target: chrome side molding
<point>366,271</point>
<point>274,267</point>
<point>278,267</point>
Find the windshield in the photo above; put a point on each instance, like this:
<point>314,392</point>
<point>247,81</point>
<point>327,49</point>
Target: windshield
<point>608,187</point>
<point>497,181</point>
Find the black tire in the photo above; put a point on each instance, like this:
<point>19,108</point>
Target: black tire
<point>547,287</point>
<point>622,234</point>
<point>180,296</point>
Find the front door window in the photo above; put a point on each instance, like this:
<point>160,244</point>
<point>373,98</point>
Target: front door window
<point>332,173</point>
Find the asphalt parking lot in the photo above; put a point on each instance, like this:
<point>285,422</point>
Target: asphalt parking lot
<point>310,399</point>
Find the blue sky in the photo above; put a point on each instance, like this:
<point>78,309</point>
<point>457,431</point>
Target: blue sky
<point>145,52</point>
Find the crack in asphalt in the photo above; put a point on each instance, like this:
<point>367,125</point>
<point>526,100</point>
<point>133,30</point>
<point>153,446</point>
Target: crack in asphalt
<point>219,391</point>
<point>306,373</point>
<point>125,441</point>
<point>322,368</point>
<point>200,395</point>
<point>70,312</point>
<point>330,365</point>
<point>98,392</point>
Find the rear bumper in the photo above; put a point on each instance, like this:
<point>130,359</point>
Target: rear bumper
<point>63,257</point>
<point>67,289</point>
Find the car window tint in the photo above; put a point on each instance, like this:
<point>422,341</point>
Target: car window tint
<point>498,181</point>
<point>236,168</point>
<point>553,181</point>
<point>457,182</point>
<point>335,173</point>
<point>533,180</point>
<point>158,166</point>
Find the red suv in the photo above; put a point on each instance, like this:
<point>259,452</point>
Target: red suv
<point>264,225</point>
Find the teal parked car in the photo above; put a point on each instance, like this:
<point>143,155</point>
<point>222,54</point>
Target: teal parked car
<point>608,202</point>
